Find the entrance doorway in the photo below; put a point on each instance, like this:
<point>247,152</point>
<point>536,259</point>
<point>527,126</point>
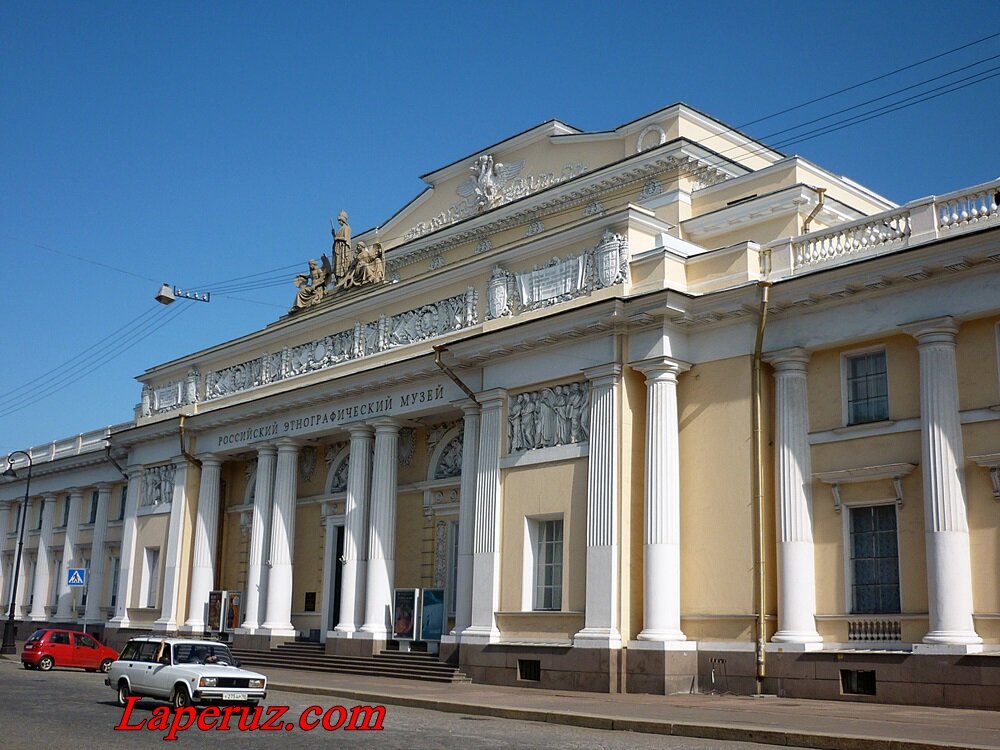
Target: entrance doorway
<point>335,574</point>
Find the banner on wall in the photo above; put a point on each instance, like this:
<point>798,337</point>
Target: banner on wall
<point>432,614</point>
<point>405,606</point>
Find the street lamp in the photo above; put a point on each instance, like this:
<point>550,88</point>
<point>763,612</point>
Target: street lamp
<point>8,646</point>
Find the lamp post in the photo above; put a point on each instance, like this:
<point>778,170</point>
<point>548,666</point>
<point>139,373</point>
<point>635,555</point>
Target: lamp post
<point>8,646</point>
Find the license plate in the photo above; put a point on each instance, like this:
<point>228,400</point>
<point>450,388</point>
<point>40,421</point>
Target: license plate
<point>234,696</point>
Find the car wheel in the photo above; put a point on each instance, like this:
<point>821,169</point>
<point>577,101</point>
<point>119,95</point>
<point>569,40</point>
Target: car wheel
<point>105,665</point>
<point>123,693</point>
<point>180,697</point>
<point>46,663</point>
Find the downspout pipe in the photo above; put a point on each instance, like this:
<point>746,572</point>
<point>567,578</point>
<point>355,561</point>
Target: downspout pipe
<point>184,452</point>
<point>451,374</point>
<point>109,457</point>
<point>757,481</point>
<point>820,194</point>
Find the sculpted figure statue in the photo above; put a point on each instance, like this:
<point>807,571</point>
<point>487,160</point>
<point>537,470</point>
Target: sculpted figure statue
<point>312,285</point>
<point>368,267</point>
<point>342,253</point>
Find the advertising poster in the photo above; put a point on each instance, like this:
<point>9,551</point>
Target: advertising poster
<point>234,610</point>
<point>404,614</point>
<point>215,604</point>
<point>432,615</point>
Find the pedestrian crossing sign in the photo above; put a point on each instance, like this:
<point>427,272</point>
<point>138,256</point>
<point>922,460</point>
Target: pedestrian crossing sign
<point>76,576</point>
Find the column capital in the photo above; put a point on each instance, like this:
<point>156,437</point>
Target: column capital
<point>468,406</point>
<point>210,459</point>
<point>134,472</point>
<point>657,368</point>
<point>381,424</point>
<point>933,330</point>
<point>611,370</point>
<point>360,430</point>
<point>492,398</point>
<point>288,445</point>
<point>103,486</point>
<point>267,450</point>
<point>49,497</point>
<point>792,359</point>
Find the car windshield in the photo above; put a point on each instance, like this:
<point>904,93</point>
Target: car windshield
<point>36,636</point>
<point>202,653</point>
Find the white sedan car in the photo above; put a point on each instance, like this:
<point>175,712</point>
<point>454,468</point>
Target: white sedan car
<point>183,671</point>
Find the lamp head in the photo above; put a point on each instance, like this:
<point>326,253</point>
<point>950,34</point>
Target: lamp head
<point>166,294</point>
<point>10,473</point>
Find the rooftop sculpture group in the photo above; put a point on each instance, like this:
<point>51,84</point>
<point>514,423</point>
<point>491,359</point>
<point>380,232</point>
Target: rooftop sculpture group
<point>351,267</point>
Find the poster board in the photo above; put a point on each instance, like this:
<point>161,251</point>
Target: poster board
<point>432,614</point>
<point>234,610</point>
<point>405,614</point>
<point>216,603</point>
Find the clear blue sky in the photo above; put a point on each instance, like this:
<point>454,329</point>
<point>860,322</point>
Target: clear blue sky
<point>198,142</point>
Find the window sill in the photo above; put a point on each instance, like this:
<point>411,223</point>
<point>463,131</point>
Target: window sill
<point>862,426</point>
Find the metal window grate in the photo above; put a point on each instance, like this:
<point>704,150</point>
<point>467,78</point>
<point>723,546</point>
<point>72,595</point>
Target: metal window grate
<point>529,669</point>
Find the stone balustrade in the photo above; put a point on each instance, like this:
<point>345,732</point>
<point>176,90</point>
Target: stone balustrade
<point>85,442</point>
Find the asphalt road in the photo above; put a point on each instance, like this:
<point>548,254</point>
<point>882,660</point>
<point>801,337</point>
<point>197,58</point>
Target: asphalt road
<point>75,710</point>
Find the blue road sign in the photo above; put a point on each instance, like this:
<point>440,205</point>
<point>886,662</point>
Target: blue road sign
<point>76,576</point>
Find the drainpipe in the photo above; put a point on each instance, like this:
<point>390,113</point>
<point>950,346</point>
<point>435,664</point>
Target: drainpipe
<point>451,374</point>
<point>109,457</point>
<point>184,451</point>
<point>820,193</point>
<point>758,489</point>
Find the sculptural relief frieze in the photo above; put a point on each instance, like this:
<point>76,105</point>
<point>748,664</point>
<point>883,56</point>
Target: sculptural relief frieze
<point>548,417</point>
<point>389,331</point>
<point>158,485</point>
<point>170,396</point>
<point>559,280</point>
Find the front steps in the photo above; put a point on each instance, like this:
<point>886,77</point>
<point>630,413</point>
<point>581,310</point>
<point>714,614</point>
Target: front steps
<point>312,657</point>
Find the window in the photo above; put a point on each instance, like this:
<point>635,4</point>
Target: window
<point>548,565</point>
<point>93,506</point>
<point>452,580</point>
<point>121,502</point>
<point>31,583</point>
<point>874,560</point>
<point>60,577</point>
<point>84,640</point>
<point>130,652</point>
<point>115,571</point>
<point>65,521</point>
<point>151,560</point>
<point>85,564</point>
<point>60,638</point>
<point>41,512</point>
<point>867,387</point>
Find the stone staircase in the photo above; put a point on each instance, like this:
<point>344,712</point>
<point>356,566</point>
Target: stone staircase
<point>311,657</point>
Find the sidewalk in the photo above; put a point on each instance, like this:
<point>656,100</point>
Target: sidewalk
<point>834,725</point>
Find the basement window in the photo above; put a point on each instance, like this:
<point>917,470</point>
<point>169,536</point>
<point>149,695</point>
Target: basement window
<point>857,682</point>
<point>529,669</point>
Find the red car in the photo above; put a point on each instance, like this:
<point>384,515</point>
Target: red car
<point>49,648</point>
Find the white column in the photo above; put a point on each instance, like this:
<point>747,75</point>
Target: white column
<point>126,561</point>
<point>488,516</point>
<point>793,482</point>
<point>95,584</point>
<point>662,504</point>
<point>946,525</point>
<point>603,500</point>
<point>279,577</point>
<point>382,531</point>
<point>466,517</point>
<point>6,512</point>
<point>353,579</point>
<point>206,527</point>
<point>43,571</point>
<point>260,537</point>
<point>171,562</point>
<point>66,609</point>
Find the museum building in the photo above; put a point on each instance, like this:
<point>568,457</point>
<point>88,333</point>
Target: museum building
<point>658,408</point>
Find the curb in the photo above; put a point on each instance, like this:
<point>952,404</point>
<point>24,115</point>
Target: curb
<point>737,733</point>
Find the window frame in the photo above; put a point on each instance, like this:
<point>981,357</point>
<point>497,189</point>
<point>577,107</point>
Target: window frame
<point>150,588</point>
<point>94,500</point>
<point>845,390</point>
<point>531,562</point>
<point>849,556</point>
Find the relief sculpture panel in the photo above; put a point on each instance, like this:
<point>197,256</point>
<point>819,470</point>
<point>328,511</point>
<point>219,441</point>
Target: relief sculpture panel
<point>548,417</point>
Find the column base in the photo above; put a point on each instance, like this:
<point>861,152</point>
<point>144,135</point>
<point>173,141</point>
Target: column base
<point>647,645</point>
<point>791,637</point>
<point>952,638</point>
<point>165,626</point>
<point>664,636</point>
<point>795,647</point>
<point>117,623</point>
<point>285,630</point>
<point>343,631</point>
<point>371,633</point>
<point>195,628</point>
<point>65,618</point>
<point>608,638</point>
<point>479,634</point>
<point>245,629</point>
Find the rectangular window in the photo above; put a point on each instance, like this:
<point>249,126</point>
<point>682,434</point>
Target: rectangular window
<point>93,506</point>
<point>66,506</point>
<point>121,502</point>
<point>31,583</point>
<point>115,572</point>
<point>151,561</point>
<point>41,512</point>
<point>548,565</point>
<point>17,523</point>
<point>867,388</point>
<point>874,560</point>
<point>452,581</point>
<point>59,577</point>
<point>85,564</point>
